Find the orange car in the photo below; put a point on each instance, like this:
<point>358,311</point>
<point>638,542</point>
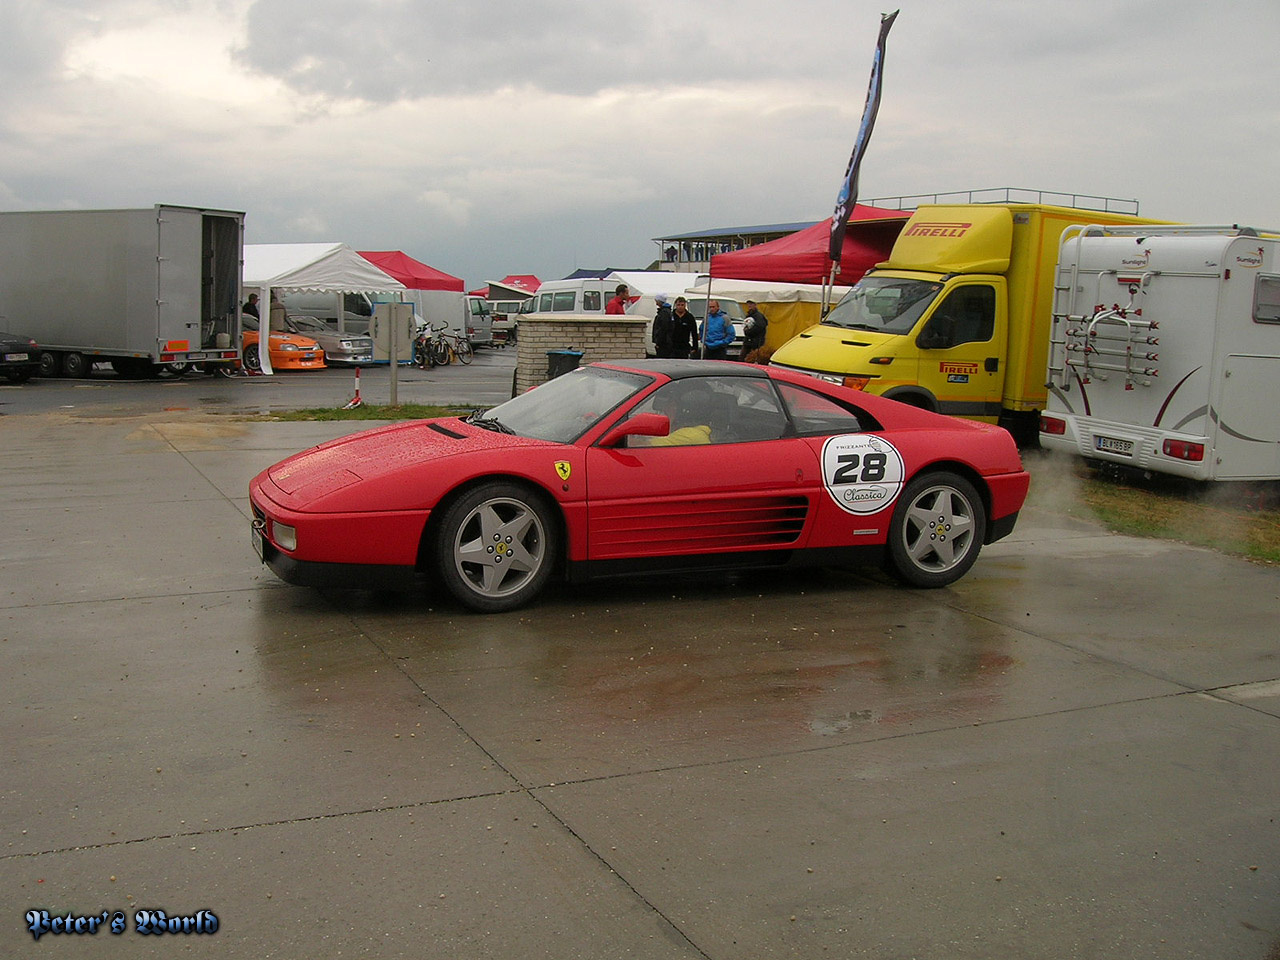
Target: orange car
<point>288,350</point>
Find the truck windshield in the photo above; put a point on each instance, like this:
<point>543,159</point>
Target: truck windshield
<point>884,304</point>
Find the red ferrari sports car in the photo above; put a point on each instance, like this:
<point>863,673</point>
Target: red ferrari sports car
<point>654,465</point>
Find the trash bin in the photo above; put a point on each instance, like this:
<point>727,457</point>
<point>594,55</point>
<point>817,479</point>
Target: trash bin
<point>562,361</point>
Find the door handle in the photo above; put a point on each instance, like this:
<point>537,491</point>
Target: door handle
<point>992,365</point>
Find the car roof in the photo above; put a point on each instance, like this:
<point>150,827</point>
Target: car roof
<point>679,369</point>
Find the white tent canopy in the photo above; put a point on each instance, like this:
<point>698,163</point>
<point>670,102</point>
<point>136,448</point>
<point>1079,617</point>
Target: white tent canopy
<point>309,267</point>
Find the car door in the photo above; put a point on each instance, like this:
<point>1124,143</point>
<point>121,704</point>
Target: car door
<point>748,489</point>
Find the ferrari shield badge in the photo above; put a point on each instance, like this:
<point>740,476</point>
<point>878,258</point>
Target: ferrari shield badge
<point>863,474</point>
<point>563,469</point>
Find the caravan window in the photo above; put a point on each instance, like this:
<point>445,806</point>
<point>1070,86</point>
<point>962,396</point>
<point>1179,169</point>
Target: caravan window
<point>564,301</point>
<point>591,300</point>
<point>1266,300</point>
<point>544,305</point>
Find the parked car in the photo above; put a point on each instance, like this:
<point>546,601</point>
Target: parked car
<point>345,348</point>
<point>289,351</point>
<point>641,466</point>
<point>19,357</point>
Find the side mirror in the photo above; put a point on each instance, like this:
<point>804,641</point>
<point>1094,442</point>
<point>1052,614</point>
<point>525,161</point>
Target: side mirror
<point>641,425</point>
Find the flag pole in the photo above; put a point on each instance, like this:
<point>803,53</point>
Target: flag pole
<point>847,199</point>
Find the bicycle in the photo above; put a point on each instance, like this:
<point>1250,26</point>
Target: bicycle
<point>438,347</point>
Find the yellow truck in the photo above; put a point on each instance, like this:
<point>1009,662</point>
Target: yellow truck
<point>957,320</point>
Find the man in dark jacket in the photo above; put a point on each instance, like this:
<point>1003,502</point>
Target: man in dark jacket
<point>662,327</point>
<point>753,330</point>
<point>684,331</point>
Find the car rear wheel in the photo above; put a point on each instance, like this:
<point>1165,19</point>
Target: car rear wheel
<point>496,547</point>
<point>937,530</point>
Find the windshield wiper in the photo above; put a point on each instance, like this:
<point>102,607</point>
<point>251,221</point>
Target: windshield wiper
<point>488,423</point>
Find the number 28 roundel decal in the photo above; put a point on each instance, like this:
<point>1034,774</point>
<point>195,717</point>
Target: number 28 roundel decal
<point>863,474</point>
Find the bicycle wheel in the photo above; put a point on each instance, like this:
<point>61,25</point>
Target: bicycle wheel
<point>440,352</point>
<point>464,350</point>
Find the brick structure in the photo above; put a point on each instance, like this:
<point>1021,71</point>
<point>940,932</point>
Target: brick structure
<point>598,336</point>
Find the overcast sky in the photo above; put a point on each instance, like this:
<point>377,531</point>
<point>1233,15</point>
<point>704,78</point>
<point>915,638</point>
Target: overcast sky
<point>540,136</point>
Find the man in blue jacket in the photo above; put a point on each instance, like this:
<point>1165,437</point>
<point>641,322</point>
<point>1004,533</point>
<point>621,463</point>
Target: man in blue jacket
<point>717,332</point>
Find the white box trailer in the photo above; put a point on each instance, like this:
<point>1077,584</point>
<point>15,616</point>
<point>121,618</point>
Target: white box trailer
<point>1165,351</point>
<point>141,288</point>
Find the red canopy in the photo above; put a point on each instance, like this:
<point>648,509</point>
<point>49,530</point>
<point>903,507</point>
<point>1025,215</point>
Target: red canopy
<point>801,257</point>
<point>412,273</point>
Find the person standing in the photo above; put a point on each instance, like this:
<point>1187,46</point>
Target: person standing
<point>717,332</point>
<point>684,332</point>
<point>251,307</point>
<point>662,326</point>
<point>619,302</point>
<point>753,331</point>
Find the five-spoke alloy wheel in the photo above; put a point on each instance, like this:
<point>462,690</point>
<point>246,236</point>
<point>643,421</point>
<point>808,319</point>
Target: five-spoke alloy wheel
<point>937,530</point>
<point>496,546</point>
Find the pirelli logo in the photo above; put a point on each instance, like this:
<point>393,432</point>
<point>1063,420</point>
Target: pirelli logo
<point>954,368</point>
<point>938,228</point>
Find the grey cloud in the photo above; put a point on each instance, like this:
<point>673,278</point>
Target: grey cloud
<point>384,52</point>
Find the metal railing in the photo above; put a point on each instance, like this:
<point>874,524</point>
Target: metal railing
<point>1080,201</point>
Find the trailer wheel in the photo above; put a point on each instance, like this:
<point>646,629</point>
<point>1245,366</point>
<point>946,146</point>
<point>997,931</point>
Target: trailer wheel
<point>49,365</point>
<point>251,359</point>
<point>176,369</point>
<point>75,365</point>
<point>936,531</point>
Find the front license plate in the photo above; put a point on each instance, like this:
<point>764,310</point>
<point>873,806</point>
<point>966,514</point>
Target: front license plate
<point>1123,448</point>
<point>255,535</point>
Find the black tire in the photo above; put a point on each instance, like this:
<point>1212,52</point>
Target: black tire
<point>465,351</point>
<point>176,369</point>
<point>440,353</point>
<point>50,365</point>
<point>251,359</point>
<point>496,546</point>
<point>75,365</point>
<point>937,530</point>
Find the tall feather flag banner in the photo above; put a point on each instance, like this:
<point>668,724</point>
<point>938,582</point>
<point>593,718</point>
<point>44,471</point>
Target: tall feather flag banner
<point>849,189</point>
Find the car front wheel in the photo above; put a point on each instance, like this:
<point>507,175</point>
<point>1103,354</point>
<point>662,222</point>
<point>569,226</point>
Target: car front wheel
<point>937,530</point>
<point>496,547</point>
<point>251,359</point>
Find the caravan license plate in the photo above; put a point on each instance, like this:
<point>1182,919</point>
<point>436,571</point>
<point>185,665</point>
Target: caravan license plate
<point>1123,448</point>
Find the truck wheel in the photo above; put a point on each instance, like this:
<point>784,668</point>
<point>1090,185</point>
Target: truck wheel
<point>496,547</point>
<point>251,359</point>
<point>49,364</point>
<point>75,365</point>
<point>936,531</point>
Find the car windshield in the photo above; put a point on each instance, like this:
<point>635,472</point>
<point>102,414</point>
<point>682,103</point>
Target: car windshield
<point>884,304</point>
<point>563,409</point>
<point>310,325</point>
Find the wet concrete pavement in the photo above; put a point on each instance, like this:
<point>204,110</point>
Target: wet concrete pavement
<point>1073,752</point>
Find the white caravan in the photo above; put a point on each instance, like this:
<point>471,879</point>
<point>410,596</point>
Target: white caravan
<point>1165,351</point>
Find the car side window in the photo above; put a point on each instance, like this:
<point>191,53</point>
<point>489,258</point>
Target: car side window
<point>814,414</point>
<point>967,315</point>
<point>714,410</point>
<point>564,301</point>
<point>591,300</point>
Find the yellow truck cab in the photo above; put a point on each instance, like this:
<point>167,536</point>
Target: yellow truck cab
<point>957,320</point>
